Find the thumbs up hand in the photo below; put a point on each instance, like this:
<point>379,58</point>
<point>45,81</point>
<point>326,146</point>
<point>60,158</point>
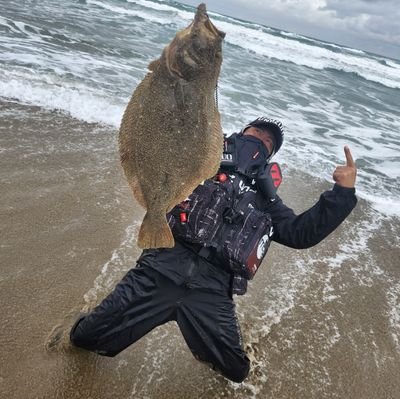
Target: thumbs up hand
<point>345,175</point>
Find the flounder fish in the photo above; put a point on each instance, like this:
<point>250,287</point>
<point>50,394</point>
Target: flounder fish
<point>170,138</point>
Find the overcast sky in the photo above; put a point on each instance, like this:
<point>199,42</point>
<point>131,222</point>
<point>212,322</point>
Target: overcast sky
<point>372,25</point>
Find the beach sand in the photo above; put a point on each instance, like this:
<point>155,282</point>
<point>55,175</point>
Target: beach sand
<point>318,323</point>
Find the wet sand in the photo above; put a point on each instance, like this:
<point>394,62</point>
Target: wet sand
<point>318,323</point>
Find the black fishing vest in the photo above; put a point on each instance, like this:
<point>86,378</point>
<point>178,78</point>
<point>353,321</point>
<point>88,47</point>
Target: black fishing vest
<point>223,214</point>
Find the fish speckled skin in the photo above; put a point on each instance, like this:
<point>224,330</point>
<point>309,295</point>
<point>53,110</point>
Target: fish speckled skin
<point>170,138</point>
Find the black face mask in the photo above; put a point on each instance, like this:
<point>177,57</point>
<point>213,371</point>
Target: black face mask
<point>251,155</point>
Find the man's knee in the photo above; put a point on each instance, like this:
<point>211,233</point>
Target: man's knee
<point>75,335</point>
<point>81,337</point>
<point>84,336</point>
<point>237,372</point>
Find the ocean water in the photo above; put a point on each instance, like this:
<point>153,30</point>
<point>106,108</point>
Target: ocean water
<point>319,323</point>
<point>85,57</point>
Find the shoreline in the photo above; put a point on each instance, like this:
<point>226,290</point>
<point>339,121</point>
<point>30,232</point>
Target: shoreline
<point>316,323</point>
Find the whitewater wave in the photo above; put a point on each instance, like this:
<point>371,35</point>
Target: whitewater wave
<point>135,13</point>
<point>81,102</point>
<point>265,42</point>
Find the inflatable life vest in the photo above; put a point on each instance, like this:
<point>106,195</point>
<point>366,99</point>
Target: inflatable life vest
<point>222,214</point>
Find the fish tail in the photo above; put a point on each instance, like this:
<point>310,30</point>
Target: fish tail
<point>155,233</point>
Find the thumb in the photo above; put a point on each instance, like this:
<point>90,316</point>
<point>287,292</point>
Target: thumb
<point>349,158</point>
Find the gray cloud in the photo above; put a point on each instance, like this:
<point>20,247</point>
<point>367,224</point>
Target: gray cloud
<point>377,20</point>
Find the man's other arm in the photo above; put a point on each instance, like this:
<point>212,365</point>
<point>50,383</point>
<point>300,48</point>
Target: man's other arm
<point>312,226</point>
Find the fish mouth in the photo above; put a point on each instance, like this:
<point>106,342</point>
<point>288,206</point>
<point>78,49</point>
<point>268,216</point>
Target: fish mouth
<point>202,18</point>
<point>195,47</point>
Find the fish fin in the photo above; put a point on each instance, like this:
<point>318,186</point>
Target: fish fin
<point>131,176</point>
<point>153,65</point>
<point>136,190</point>
<point>212,160</point>
<point>216,144</point>
<point>155,233</point>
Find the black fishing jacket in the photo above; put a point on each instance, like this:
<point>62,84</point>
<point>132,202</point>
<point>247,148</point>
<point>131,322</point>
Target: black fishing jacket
<point>295,231</point>
<point>312,226</point>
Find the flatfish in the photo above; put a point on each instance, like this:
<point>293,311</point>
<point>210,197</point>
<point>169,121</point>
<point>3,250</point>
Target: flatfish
<point>170,138</point>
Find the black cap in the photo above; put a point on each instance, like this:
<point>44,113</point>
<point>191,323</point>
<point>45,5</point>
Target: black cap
<point>272,125</point>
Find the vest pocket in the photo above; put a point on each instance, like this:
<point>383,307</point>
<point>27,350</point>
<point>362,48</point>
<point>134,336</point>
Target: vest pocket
<point>245,243</point>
